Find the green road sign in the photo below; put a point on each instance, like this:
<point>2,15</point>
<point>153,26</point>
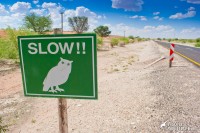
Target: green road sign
<point>59,65</point>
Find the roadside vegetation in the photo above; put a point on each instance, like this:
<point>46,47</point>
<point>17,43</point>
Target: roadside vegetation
<point>9,44</point>
<point>194,42</point>
<point>3,128</point>
<point>32,25</point>
<point>197,42</point>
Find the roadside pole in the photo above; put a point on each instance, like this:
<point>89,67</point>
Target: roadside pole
<point>62,104</point>
<point>62,21</point>
<point>171,54</point>
<point>62,112</point>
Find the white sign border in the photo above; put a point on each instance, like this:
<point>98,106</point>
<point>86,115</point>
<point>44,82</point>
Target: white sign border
<point>53,95</point>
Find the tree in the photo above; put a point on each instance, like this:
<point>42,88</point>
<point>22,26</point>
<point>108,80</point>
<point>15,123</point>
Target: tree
<point>102,31</point>
<point>38,24</point>
<point>78,24</point>
<point>198,40</point>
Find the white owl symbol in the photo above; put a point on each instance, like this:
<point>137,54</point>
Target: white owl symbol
<point>57,75</point>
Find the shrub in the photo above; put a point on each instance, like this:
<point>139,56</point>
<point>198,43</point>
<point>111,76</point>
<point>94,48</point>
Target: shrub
<point>9,44</point>
<point>114,42</point>
<point>99,40</point>
<point>183,41</point>
<point>125,40</point>
<point>131,37</point>
<point>191,41</point>
<point>197,44</point>
<point>139,39</point>
<point>3,128</point>
<point>198,40</point>
<point>169,40</point>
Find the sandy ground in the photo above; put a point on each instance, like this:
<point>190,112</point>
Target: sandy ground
<point>132,98</point>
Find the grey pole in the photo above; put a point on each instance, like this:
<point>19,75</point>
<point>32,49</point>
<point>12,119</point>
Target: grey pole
<point>62,21</point>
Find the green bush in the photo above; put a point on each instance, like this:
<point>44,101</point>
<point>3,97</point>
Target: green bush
<point>131,37</point>
<point>114,42</point>
<point>191,41</point>
<point>169,40</point>
<point>125,40</point>
<point>139,39</point>
<point>183,41</point>
<point>99,40</point>
<point>197,44</point>
<point>198,40</point>
<point>9,44</point>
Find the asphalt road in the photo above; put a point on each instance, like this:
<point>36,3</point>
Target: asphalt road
<point>190,53</point>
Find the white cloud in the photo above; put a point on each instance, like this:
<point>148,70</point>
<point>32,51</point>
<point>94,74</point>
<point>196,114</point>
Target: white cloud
<point>53,9</point>
<point>3,11</point>
<point>191,13</point>
<point>191,9</point>
<point>38,6</point>
<point>13,20</point>
<point>49,5</point>
<point>146,31</point>
<point>158,18</point>
<point>38,11</point>
<point>128,5</point>
<point>190,30</point>
<point>142,18</point>
<point>102,16</point>
<point>163,28</point>
<point>20,7</point>
<point>194,1</point>
<point>35,1</point>
<point>156,13</point>
<point>190,33</point>
<point>136,16</point>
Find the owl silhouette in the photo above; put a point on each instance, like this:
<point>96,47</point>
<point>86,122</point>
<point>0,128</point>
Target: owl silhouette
<point>57,75</point>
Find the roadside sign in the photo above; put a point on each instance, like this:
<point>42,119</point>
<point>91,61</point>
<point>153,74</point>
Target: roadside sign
<point>63,66</point>
<point>171,54</point>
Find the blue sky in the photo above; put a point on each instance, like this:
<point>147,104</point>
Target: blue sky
<point>144,18</point>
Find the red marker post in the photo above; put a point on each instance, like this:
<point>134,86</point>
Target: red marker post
<point>171,54</point>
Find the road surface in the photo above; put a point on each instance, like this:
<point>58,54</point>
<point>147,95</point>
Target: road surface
<point>190,53</point>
